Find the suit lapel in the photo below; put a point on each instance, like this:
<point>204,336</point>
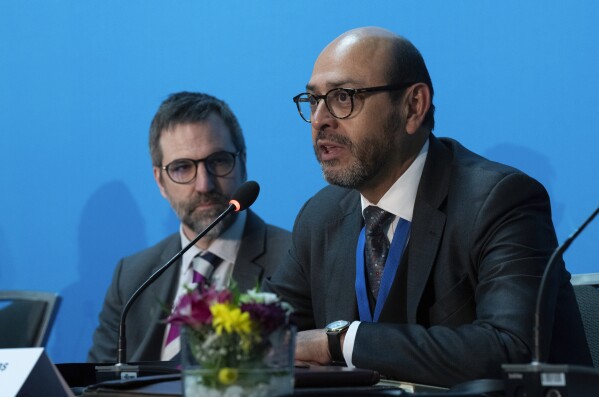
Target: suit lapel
<point>427,223</point>
<point>341,238</point>
<point>247,271</point>
<point>161,296</point>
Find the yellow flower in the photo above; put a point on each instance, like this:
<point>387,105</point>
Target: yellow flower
<point>231,319</point>
<point>226,376</point>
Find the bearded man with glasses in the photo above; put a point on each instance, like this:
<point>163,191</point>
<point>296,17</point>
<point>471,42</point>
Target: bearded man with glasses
<point>421,260</point>
<point>199,159</point>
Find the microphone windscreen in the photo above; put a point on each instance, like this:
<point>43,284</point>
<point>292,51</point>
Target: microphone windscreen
<point>245,195</point>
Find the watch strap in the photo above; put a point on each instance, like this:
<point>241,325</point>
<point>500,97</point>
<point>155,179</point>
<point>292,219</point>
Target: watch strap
<point>335,346</point>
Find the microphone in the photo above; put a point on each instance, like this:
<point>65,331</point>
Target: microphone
<point>531,379</point>
<point>241,199</point>
<point>543,290</point>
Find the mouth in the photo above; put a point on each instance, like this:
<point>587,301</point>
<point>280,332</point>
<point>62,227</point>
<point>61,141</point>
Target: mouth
<point>207,203</point>
<point>329,150</point>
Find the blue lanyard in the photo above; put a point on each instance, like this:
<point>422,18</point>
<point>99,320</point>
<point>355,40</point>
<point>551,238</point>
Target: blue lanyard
<point>400,237</point>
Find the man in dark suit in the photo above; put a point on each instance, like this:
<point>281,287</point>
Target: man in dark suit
<point>442,288</point>
<point>199,160</point>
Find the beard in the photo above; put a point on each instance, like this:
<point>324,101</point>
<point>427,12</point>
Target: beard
<point>368,155</point>
<point>197,220</point>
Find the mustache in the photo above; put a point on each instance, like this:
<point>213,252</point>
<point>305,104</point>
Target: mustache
<point>333,137</point>
<point>208,198</point>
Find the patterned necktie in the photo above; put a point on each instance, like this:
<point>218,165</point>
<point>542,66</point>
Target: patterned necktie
<point>376,246</point>
<point>203,267</point>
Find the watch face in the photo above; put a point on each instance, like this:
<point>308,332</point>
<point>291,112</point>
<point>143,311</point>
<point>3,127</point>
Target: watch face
<point>337,325</point>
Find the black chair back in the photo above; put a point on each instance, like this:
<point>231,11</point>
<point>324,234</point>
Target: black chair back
<point>586,288</point>
<point>26,318</point>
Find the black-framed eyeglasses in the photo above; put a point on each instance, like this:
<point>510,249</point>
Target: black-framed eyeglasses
<point>185,170</point>
<point>339,101</point>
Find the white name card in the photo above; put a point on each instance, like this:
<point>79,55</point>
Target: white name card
<point>29,372</point>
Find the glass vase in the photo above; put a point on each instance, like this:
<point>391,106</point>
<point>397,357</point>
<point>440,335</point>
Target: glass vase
<point>267,371</point>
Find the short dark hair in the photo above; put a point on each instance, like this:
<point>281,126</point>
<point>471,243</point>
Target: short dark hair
<point>192,107</point>
<point>407,65</point>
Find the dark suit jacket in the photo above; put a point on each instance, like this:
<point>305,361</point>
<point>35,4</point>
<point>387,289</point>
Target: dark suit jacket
<point>463,300</point>
<point>262,248</point>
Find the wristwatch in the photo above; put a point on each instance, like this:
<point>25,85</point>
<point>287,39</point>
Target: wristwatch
<point>334,331</point>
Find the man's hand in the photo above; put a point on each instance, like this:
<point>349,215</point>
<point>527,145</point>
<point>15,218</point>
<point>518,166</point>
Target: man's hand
<point>312,348</point>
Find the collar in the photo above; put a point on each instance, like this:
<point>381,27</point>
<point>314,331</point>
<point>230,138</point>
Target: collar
<point>401,196</point>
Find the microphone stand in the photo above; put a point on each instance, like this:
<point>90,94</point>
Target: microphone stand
<point>541,297</point>
<point>122,344</point>
<point>543,379</point>
<point>122,370</point>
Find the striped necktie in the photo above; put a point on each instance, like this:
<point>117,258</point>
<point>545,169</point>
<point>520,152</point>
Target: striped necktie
<point>203,267</point>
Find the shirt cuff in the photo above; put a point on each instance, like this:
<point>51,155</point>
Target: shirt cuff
<point>348,343</point>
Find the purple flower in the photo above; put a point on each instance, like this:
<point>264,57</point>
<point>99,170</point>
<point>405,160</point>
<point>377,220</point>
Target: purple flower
<point>193,308</point>
<point>269,316</point>
<point>214,295</point>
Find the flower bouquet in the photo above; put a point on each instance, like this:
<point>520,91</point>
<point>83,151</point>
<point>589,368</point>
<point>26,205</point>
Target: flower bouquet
<point>234,344</point>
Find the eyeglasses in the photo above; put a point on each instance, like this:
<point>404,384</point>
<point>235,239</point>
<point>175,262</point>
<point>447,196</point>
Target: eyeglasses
<point>339,101</point>
<point>185,170</point>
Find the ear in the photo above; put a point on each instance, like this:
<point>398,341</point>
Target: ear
<point>158,179</point>
<point>418,101</point>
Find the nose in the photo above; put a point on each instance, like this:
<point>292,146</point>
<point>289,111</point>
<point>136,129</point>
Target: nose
<point>322,117</point>
<point>204,181</point>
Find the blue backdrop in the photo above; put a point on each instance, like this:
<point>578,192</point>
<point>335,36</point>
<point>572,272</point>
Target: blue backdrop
<point>80,81</point>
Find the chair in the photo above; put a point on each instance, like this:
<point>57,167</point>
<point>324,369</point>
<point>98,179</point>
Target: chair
<point>586,288</point>
<point>26,317</point>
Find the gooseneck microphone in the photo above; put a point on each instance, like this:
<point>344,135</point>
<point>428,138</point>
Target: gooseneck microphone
<point>542,379</point>
<point>242,199</point>
<point>541,297</point>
